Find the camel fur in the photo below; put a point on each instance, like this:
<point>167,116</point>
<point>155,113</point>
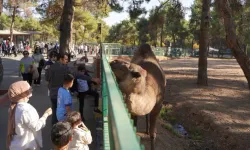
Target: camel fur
<point>142,83</point>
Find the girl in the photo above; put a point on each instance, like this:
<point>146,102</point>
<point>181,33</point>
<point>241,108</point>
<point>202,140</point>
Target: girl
<point>81,134</point>
<point>24,124</point>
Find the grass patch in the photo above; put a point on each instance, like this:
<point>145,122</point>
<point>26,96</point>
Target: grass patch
<point>170,128</point>
<point>165,114</point>
<point>195,134</point>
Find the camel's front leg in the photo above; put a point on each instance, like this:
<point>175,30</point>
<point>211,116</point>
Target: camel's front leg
<point>147,131</point>
<point>135,120</point>
<point>153,119</point>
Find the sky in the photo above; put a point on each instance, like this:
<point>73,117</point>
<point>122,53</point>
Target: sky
<point>115,18</point>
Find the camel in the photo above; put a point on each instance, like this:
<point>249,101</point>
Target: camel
<point>142,83</point>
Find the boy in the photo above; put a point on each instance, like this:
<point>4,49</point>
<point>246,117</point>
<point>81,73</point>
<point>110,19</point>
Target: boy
<point>84,81</point>
<point>64,98</point>
<point>81,134</point>
<point>61,135</point>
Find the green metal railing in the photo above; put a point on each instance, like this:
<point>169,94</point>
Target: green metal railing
<point>118,130</point>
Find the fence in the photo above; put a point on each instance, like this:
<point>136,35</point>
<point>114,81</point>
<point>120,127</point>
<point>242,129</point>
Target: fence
<point>118,130</point>
<point>118,49</point>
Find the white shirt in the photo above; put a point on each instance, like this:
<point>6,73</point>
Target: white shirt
<point>37,58</point>
<point>80,139</point>
<point>86,48</point>
<point>27,128</point>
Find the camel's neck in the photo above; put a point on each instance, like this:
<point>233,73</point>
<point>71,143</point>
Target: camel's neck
<point>136,86</point>
<point>141,104</point>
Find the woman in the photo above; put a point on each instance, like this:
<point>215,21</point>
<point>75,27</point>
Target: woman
<point>26,64</point>
<point>39,63</point>
<point>24,124</point>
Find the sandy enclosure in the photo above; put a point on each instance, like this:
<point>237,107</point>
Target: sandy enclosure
<point>220,111</point>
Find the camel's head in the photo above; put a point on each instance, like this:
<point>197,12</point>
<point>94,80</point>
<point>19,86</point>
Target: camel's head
<point>128,75</point>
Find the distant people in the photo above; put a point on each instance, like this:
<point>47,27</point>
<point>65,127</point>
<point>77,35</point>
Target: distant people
<point>21,48</point>
<point>61,135</point>
<point>57,47</point>
<point>81,134</point>
<point>24,45</point>
<point>39,64</point>
<point>26,65</point>
<point>55,77</point>
<point>4,47</point>
<point>85,49</point>
<point>1,48</point>
<point>42,44</point>
<point>46,48</point>
<point>13,49</point>
<point>24,124</point>
<point>27,45</point>
<point>64,98</point>
<point>52,59</point>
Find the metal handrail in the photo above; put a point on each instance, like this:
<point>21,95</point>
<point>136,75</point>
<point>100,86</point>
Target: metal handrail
<point>119,133</point>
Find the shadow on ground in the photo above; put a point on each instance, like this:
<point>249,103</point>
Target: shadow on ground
<point>220,110</point>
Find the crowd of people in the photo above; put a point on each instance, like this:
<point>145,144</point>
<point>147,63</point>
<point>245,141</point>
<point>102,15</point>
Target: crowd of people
<point>68,128</point>
<point>84,48</point>
<point>8,48</point>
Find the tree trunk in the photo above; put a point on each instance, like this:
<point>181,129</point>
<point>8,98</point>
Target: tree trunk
<point>204,37</point>
<point>66,25</point>
<point>231,38</point>
<point>156,35</point>
<point>174,41</point>
<point>1,7</point>
<point>12,24</point>
<point>192,45</point>
<point>162,28</point>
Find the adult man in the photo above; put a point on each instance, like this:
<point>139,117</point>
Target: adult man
<point>55,76</point>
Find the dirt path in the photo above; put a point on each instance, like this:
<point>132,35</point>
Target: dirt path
<point>218,113</point>
<point>221,110</point>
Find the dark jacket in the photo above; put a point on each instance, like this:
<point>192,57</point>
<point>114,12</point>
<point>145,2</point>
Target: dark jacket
<point>55,76</point>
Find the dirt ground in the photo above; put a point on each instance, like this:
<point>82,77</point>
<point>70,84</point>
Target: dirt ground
<point>220,112</point>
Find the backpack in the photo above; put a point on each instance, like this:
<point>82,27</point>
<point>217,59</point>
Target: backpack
<point>82,85</point>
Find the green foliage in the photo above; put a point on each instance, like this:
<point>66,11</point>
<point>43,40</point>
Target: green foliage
<point>87,15</point>
<point>165,114</point>
<point>195,19</point>
<point>124,32</point>
<point>196,134</point>
<point>175,22</point>
<point>135,8</point>
<point>169,127</point>
<point>4,22</point>
<point>143,30</point>
<point>31,24</point>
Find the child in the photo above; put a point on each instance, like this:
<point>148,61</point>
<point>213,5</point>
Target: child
<point>61,135</point>
<point>81,134</point>
<point>64,98</point>
<point>84,88</point>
